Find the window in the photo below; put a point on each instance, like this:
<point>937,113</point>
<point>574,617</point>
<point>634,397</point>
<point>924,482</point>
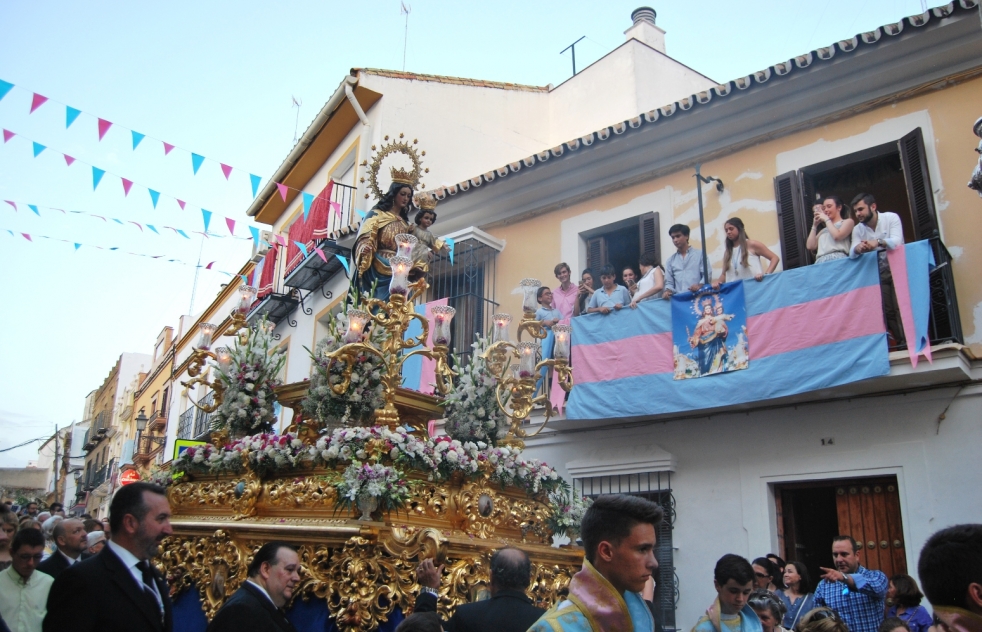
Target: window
<point>656,487</point>
<point>622,243</point>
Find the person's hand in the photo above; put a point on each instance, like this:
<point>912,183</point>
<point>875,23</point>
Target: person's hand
<point>667,293</point>
<point>695,287</point>
<point>584,289</point>
<point>716,285</point>
<point>618,305</point>
<point>604,310</point>
<point>817,213</point>
<point>634,304</point>
<point>822,217</point>
<point>832,574</point>
<point>759,276</point>
<point>429,575</point>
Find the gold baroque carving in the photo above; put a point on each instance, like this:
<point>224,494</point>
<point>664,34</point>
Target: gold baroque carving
<point>240,494</point>
<point>299,493</point>
<point>214,564</point>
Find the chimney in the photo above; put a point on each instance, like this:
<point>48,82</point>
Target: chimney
<point>644,29</point>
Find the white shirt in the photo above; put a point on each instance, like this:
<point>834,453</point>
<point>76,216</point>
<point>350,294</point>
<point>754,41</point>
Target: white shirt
<point>646,283</point>
<point>24,604</point>
<point>888,228</point>
<point>70,560</point>
<point>130,561</point>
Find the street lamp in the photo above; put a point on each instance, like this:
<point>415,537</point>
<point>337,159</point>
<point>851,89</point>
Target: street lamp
<point>700,179</point>
<point>141,425</point>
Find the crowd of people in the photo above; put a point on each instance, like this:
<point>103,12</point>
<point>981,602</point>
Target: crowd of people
<point>107,583</point>
<point>838,231</point>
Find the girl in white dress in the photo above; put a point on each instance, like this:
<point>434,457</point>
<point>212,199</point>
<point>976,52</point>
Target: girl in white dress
<point>831,234</point>
<point>742,258</point>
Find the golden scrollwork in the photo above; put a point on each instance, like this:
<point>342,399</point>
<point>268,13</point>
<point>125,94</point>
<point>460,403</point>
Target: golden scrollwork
<point>396,147</point>
<point>214,564</point>
<point>309,492</point>
<point>240,494</point>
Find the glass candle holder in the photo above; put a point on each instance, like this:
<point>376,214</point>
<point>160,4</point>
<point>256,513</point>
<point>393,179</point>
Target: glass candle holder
<point>224,358</point>
<point>530,287</point>
<point>563,334</point>
<point>247,296</point>
<point>357,322</point>
<point>207,333</point>
<point>400,275</point>
<point>442,317</point>
<point>405,244</point>
<point>527,352</point>
<point>500,331</point>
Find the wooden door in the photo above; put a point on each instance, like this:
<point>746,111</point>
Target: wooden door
<point>869,511</point>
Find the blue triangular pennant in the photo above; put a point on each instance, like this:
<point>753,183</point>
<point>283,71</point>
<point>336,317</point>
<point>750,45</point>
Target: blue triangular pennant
<point>5,87</point>
<point>137,138</point>
<point>70,115</point>
<point>34,208</point>
<point>151,227</point>
<point>362,213</point>
<point>255,183</point>
<point>118,221</point>
<point>344,262</point>
<point>77,246</point>
<point>303,249</point>
<point>450,243</point>
<point>182,234</point>
<point>255,235</point>
<point>308,199</point>
<point>97,174</point>
<point>38,148</point>
<point>206,216</point>
<point>196,161</point>
<point>154,196</point>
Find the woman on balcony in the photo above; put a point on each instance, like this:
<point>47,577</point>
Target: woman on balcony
<point>742,257</point>
<point>831,234</point>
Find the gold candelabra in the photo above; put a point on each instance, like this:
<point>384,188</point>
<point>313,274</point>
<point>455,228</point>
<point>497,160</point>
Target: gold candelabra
<point>516,388</point>
<point>394,316</point>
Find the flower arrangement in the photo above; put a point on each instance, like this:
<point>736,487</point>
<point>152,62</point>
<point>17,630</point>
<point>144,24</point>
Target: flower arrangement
<point>472,407</point>
<point>371,486</point>
<point>207,459</point>
<point>249,378</point>
<point>567,511</point>
<point>366,392</point>
<point>159,476</point>
<point>269,453</point>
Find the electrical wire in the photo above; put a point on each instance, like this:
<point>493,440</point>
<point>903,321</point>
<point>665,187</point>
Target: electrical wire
<point>21,445</point>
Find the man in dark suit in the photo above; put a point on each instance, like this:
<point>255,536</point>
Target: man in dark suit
<point>118,590</point>
<point>257,605</point>
<point>70,537</point>
<point>508,610</point>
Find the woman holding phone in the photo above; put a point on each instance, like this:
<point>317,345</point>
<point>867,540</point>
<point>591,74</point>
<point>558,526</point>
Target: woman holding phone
<point>831,233</point>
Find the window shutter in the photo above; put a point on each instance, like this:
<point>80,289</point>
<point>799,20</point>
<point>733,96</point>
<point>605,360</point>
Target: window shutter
<point>596,256</point>
<point>789,200</point>
<point>649,228</point>
<point>918,185</point>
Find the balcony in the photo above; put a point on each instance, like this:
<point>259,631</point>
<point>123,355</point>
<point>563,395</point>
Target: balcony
<point>98,431</point>
<point>312,272</point>
<point>147,447</point>
<point>185,423</point>
<point>157,421</point>
<point>274,307</point>
<point>202,420</point>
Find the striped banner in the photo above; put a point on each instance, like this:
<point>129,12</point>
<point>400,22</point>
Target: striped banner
<point>809,328</point>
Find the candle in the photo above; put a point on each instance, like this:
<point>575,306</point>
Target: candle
<point>530,288</point>
<point>442,316</point>
<point>247,296</point>
<point>527,354</point>
<point>405,244</point>
<point>561,348</point>
<point>357,321</point>
<point>207,333</point>
<point>224,358</point>
<point>500,331</point>
<point>400,275</point>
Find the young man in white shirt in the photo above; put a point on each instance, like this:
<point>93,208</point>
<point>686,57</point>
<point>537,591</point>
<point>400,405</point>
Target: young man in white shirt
<point>880,232</point>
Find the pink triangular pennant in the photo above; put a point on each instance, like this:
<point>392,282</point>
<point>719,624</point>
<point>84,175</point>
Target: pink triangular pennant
<point>283,189</point>
<point>281,240</point>
<point>320,253</point>
<point>14,204</point>
<point>127,184</point>
<point>7,135</point>
<point>137,225</point>
<point>198,232</point>
<point>37,102</point>
<point>167,148</point>
<point>102,218</point>
<point>337,208</point>
<point>181,202</point>
<point>104,126</point>
<point>208,267</point>
<point>68,160</point>
<point>26,236</point>
<point>231,224</point>
<point>227,170</point>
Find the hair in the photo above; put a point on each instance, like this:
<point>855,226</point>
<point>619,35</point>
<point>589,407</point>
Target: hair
<point>626,268</point>
<point>865,198</point>
<point>907,593</point>
<point>29,523</point>
<point>768,566</point>
<point>732,566</point>
<point>587,271</point>
<point>420,622</point>
<point>267,555</point>
<point>761,599</point>
<point>91,525</point>
<point>59,530</point>
<point>847,538</point>
<point>9,517</point>
<point>610,518</point>
<point>422,213</point>
<point>678,228</point>
<point>508,573</point>
<point>892,623</point>
<point>649,259</point>
<point>779,566</point>
<point>821,620</point>
<point>845,212</point>
<point>540,292</point>
<point>388,199</point>
<point>559,268</point>
<point>60,507</point>
<point>608,270</point>
<point>26,537</point>
<point>951,560</point>
<point>741,241</point>
<point>129,500</point>
<point>805,585</point>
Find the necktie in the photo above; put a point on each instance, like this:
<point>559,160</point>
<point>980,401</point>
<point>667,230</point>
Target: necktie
<point>148,584</point>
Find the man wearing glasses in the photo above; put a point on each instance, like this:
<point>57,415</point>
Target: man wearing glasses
<point>855,593</point>
<point>24,592</point>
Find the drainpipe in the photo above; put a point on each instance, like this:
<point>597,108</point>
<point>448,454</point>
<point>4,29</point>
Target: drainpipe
<point>365,142</point>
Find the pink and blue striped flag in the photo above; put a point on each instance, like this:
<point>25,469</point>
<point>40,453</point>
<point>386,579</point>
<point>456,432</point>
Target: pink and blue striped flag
<point>910,266</point>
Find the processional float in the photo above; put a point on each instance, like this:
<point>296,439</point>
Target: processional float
<point>356,482</point>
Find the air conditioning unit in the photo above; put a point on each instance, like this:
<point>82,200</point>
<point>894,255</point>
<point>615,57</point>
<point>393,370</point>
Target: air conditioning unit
<point>260,249</point>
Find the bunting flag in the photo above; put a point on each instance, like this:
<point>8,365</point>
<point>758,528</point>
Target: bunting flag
<point>364,214</point>
<point>254,180</point>
<point>320,253</point>
<point>127,184</point>
<point>910,266</point>
<point>196,160</point>
<point>38,148</point>
<point>451,244</point>
<point>168,148</point>
<point>7,135</point>
<point>104,126</point>
<point>344,262</point>
<point>226,170</point>
<point>231,225</point>
<point>14,204</point>
<point>308,199</point>
<point>303,249</point>
<point>255,235</point>
<point>34,208</point>
<point>280,240</point>
<point>70,115</point>
<point>68,160</point>
<point>77,246</point>
<point>206,216</point>
<point>97,177</point>
<point>27,237</point>
<point>37,101</point>
<point>180,203</point>
<point>5,87</point>
<point>283,189</point>
<point>154,197</point>
<point>137,138</point>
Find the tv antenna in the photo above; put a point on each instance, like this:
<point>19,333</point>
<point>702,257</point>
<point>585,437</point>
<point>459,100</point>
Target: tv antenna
<point>405,10</point>
<point>572,47</point>
<point>296,125</point>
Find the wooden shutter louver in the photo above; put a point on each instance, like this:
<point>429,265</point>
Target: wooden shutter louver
<point>649,226</point>
<point>918,180</point>
<point>789,203</point>
<point>596,256</point>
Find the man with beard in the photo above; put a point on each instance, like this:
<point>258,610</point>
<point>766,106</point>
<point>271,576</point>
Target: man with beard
<point>257,604</point>
<point>118,590</point>
<point>70,537</point>
<point>855,593</point>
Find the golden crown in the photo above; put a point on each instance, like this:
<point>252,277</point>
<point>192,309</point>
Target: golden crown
<point>409,178</point>
<point>425,201</point>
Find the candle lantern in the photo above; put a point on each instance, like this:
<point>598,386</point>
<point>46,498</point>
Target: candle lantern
<point>247,296</point>
<point>563,333</point>
<point>442,316</point>
<point>224,358</point>
<point>527,355</point>
<point>405,244</point>
<point>400,275</point>
<point>357,321</point>
<point>500,332</point>
<point>207,333</point>
<point>530,287</point>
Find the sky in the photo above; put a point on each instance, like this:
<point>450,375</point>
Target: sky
<point>219,79</point>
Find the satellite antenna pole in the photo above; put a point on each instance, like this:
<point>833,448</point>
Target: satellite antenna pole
<point>296,124</point>
<point>573,48</point>
<point>405,10</point>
